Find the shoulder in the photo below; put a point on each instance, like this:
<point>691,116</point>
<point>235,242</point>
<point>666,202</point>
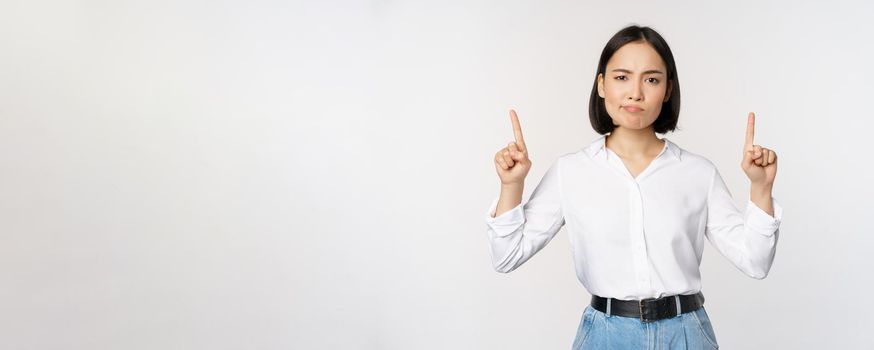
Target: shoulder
<point>692,159</point>
<point>697,168</point>
<point>563,158</point>
<point>564,162</point>
<point>571,157</point>
<point>589,150</point>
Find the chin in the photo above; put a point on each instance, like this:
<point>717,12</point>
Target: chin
<point>632,121</point>
<point>629,124</point>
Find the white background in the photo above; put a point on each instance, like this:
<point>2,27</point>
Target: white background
<point>275,175</point>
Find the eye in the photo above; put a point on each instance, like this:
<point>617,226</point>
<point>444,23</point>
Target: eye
<point>653,80</point>
<point>619,77</point>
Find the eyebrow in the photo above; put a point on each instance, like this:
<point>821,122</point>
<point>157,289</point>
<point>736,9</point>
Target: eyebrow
<point>651,71</point>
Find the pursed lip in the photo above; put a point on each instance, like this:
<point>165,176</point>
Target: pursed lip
<point>632,108</point>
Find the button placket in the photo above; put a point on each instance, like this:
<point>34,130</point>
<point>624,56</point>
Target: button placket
<point>638,241</point>
<point>636,230</point>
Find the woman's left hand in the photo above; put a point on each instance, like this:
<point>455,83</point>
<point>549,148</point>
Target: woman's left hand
<point>759,163</point>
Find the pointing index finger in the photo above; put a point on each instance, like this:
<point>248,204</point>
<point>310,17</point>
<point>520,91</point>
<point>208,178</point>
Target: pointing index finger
<point>517,130</point>
<point>751,129</point>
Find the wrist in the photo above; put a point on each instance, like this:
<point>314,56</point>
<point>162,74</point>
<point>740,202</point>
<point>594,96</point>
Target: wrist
<point>512,185</point>
<point>513,190</point>
<point>761,190</point>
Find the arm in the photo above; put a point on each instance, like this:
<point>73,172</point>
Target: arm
<point>748,239</point>
<point>520,232</point>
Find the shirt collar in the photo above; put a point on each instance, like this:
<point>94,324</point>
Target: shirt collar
<point>597,147</point>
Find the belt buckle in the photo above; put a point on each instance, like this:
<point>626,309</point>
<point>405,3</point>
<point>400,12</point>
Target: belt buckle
<point>640,304</point>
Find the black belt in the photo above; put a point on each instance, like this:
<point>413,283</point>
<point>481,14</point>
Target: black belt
<point>651,309</point>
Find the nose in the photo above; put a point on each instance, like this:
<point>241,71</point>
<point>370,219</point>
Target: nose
<point>636,93</point>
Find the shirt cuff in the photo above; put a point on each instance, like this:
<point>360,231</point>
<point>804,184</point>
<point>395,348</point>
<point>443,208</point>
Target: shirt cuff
<point>759,220</point>
<point>507,222</point>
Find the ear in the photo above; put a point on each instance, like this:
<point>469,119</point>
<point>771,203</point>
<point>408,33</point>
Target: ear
<point>668,92</point>
<point>601,85</point>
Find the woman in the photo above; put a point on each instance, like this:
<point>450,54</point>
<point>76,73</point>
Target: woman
<point>638,208</point>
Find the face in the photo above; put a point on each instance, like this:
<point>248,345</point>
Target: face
<point>634,85</point>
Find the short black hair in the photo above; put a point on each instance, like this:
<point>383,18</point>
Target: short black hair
<point>670,113</point>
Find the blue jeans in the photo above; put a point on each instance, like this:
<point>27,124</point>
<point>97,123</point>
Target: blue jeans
<point>691,330</point>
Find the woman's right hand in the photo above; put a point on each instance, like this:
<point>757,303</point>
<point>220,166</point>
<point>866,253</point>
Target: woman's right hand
<point>512,162</point>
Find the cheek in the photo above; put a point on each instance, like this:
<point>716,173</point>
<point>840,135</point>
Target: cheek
<point>659,91</point>
<point>655,96</point>
<point>613,97</point>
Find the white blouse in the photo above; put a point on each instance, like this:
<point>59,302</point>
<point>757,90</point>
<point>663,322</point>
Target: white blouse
<point>635,238</point>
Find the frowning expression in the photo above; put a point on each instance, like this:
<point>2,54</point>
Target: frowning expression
<point>634,85</point>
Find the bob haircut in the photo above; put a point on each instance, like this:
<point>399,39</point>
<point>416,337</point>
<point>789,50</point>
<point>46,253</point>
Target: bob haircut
<point>670,113</point>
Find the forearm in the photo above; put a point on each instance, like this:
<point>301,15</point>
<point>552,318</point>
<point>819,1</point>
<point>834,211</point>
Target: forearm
<point>511,196</point>
<point>760,194</point>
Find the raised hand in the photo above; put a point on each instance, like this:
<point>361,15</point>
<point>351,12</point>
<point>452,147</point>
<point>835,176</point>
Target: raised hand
<point>759,163</point>
<point>512,162</point>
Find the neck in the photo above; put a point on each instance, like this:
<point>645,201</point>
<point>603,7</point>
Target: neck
<point>634,143</point>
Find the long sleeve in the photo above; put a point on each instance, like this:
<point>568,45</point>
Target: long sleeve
<point>748,239</point>
<point>516,235</point>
